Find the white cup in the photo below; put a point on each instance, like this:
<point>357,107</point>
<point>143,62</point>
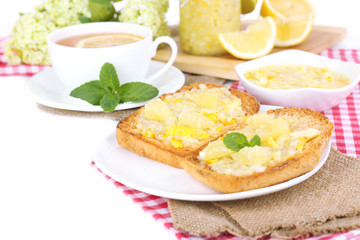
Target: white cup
<point>76,66</point>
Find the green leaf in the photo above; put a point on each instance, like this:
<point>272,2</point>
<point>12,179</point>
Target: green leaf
<point>84,19</point>
<point>256,140</point>
<point>235,141</point>
<point>109,102</point>
<point>137,92</point>
<point>109,78</point>
<point>108,93</point>
<point>101,10</point>
<point>92,92</point>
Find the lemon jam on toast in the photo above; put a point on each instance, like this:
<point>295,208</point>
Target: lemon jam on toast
<point>185,118</point>
<point>288,142</point>
<point>280,138</point>
<point>176,126</point>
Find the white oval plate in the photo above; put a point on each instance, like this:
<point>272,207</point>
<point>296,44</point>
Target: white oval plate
<point>46,89</point>
<point>163,180</point>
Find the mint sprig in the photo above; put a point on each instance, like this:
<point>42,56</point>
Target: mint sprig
<point>236,141</point>
<point>108,93</point>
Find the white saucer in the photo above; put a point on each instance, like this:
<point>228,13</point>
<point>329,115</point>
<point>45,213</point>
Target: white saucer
<point>46,89</point>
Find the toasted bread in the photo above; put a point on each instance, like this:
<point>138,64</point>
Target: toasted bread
<point>131,137</point>
<point>300,163</point>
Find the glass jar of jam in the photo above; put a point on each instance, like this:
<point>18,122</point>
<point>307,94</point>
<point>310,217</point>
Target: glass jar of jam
<point>202,20</point>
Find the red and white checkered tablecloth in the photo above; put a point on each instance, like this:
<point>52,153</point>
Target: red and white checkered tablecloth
<point>346,138</point>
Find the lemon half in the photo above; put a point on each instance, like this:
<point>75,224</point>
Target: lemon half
<point>257,40</point>
<point>286,8</point>
<point>293,30</point>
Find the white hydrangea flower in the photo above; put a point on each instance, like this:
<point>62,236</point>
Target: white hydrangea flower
<point>27,42</point>
<point>150,13</point>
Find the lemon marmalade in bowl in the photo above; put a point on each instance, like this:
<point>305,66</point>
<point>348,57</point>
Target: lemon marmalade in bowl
<point>290,76</point>
<point>186,118</point>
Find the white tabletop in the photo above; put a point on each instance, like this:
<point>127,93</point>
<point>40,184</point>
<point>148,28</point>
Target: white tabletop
<point>48,188</point>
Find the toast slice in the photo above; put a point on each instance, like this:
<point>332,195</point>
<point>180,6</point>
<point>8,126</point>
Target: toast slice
<point>292,142</point>
<point>176,126</point>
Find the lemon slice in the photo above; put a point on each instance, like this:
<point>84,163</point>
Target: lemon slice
<point>106,40</point>
<point>286,8</point>
<point>293,30</point>
<point>257,40</point>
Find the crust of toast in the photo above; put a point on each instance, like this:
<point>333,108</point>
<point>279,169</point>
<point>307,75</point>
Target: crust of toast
<point>301,163</point>
<point>129,137</point>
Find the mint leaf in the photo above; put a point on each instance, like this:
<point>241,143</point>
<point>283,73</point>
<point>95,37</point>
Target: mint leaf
<point>108,93</point>
<point>137,92</point>
<point>236,141</point>
<point>101,10</point>
<point>256,140</point>
<point>92,92</point>
<point>109,78</point>
<point>109,102</point>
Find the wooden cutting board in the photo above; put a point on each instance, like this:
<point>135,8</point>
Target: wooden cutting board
<point>321,38</point>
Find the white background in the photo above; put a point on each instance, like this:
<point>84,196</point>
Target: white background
<point>48,188</point>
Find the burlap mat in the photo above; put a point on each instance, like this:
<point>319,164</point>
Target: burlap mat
<point>327,202</point>
<point>121,114</point>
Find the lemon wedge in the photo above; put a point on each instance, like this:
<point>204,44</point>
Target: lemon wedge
<point>106,40</point>
<point>286,8</point>
<point>257,40</point>
<point>293,30</point>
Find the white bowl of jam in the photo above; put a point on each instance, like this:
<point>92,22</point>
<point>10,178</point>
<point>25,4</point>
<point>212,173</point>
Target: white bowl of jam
<point>299,79</point>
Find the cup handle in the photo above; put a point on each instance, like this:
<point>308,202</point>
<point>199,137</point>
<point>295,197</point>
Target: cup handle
<point>174,51</point>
